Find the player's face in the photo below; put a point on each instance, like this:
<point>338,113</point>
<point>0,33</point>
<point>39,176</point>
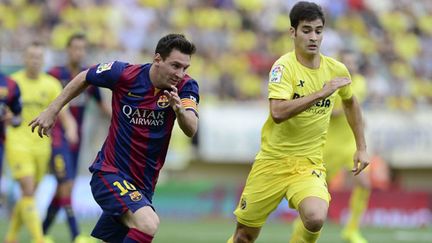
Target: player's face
<point>308,36</point>
<point>171,70</point>
<point>34,58</point>
<point>77,51</point>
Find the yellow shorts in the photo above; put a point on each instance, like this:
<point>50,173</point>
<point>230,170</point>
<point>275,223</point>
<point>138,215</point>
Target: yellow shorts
<point>271,180</point>
<point>28,161</point>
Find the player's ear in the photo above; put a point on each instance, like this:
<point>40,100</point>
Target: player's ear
<point>292,32</point>
<point>157,58</point>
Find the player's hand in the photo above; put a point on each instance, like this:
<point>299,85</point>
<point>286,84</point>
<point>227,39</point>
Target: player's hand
<point>44,122</point>
<point>174,99</point>
<point>361,161</point>
<point>331,86</point>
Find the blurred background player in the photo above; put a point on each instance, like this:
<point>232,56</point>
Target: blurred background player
<point>303,85</point>
<point>10,112</point>
<point>147,99</point>
<point>340,147</point>
<point>64,158</point>
<point>27,154</point>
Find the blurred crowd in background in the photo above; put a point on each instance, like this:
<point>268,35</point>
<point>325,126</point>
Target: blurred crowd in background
<point>237,40</point>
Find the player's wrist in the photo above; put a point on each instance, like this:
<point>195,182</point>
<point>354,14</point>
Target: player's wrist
<point>180,111</point>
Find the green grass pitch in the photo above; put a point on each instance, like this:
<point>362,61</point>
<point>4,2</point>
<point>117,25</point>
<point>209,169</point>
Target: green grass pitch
<point>218,231</point>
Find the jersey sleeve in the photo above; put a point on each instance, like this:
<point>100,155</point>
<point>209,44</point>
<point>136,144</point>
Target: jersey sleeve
<point>14,99</point>
<point>346,91</point>
<point>189,95</point>
<point>105,74</point>
<point>279,86</point>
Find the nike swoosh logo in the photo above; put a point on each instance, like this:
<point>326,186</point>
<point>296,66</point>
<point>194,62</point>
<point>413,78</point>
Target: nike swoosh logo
<point>133,95</point>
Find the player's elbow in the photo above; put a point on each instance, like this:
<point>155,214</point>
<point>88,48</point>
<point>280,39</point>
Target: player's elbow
<point>278,117</point>
<point>190,133</point>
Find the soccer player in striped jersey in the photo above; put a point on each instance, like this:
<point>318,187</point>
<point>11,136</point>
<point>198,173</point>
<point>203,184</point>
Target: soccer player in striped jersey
<point>64,156</point>
<point>303,85</point>
<point>147,99</point>
<point>10,110</point>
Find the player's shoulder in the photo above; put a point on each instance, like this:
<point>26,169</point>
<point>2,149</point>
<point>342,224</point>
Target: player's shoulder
<point>288,59</point>
<point>332,62</point>
<point>188,81</point>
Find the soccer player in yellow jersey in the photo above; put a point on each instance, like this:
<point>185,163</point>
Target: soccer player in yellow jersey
<point>340,147</point>
<point>303,85</point>
<point>26,153</point>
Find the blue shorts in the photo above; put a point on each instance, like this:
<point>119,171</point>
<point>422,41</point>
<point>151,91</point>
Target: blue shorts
<point>62,165</point>
<point>115,196</point>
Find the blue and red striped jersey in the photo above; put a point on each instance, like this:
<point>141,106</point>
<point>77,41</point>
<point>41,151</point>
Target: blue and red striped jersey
<point>141,123</point>
<point>10,96</point>
<point>76,106</point>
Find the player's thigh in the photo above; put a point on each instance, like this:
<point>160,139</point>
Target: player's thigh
<point>144,219</point>
<point>61,164</point>
<point>264,190</point>
<point>115,195</point>
<point>309,183</point>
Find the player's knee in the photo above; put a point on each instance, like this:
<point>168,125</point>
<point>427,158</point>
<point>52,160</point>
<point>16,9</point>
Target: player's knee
<point>148,226</point>
<point>314,222</point>
<point>243,237</point>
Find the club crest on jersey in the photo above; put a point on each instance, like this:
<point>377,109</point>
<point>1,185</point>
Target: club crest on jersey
<point>135,196</point>
<point>104,67</point>
<point>163,101</point>
<point>276,74</point>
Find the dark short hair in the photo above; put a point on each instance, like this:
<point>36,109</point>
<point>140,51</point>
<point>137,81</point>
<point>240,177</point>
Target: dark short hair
<point>305,11</point>
<point>76,36</point>
<point>174,41</point>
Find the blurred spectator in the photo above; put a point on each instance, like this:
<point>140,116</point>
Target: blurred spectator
<point>250,33</point>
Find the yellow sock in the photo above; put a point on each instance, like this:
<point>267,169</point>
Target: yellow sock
<point>32,219</point>
<point>358,204</point>
<point>231,239</point>
<point>302,235</point>
<point>15,223</point>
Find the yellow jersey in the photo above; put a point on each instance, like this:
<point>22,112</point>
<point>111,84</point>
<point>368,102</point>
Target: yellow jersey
<point>303,135</point>
<point>340,146</point>
<point>36,95</point>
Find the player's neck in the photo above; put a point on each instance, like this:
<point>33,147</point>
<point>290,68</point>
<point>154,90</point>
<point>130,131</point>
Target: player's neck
<point>153,76</point>
<point>31,74</point>
<point>74,67</point>
<point>310,61</point>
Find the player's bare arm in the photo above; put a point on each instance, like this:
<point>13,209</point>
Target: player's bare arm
<point>282,110</point>
<point>186,119</point>
<point>45,121</point>
<point>70,126</point>
<point>355,120</point>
